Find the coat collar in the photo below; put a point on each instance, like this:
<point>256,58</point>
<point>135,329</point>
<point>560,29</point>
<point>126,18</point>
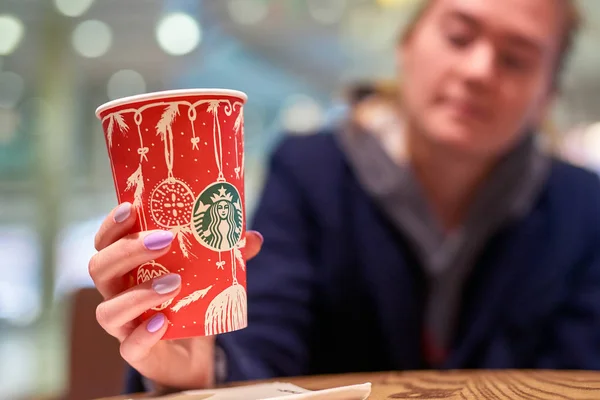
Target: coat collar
<point>508,194</point>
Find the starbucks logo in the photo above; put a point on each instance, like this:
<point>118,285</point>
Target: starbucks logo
<point>217,217</point>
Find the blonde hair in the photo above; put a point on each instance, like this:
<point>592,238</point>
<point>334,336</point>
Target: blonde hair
<point>572,25</point>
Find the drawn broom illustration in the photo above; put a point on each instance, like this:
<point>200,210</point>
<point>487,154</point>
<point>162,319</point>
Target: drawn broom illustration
<point>228,310</point>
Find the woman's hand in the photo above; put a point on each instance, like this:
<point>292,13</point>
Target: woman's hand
<point>183,364</point>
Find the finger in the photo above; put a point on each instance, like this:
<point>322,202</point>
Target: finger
<point>115,315</point>
<point>115,225</point>
<point>137,346</point>
<point>108,266</point>
<point>254,241</point>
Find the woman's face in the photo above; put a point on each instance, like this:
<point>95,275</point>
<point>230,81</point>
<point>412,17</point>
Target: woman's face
<point>223,209</point>
<point>476,73</point>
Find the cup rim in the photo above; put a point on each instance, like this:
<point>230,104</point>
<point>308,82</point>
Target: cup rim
<point>169,93</point>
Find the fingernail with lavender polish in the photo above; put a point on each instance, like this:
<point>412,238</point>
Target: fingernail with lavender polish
<point>155,323</point>
<point>166,283</point>
<point>158,240</point>
<point>122,212</point>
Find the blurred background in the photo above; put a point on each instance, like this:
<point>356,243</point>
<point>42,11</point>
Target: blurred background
<point>60,59</point>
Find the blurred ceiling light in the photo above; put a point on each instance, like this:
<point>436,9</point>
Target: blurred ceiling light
<point>247,12</point>
<point>92,38</point>
<point>178,33</point>
<point>125,83</point>
<point>301,114</point>
<point>73,8</point>
<point>11,89</point>
<point>11,33</point>
<point>327,11</point>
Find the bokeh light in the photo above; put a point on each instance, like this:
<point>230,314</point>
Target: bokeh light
<point>92,38</point>
<point>125,83</point>
<point>73,8</point>
<point>178,34</point>
<point>11,33</point>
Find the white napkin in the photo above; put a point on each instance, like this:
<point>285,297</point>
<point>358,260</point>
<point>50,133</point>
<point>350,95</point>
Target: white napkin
<point>275,391</point>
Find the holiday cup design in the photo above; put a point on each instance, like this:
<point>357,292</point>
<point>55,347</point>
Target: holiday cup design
<point>149,271</point>
<point>218,217</point>
<point>178,157</point>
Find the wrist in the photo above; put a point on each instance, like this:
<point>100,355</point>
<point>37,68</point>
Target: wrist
<point>220,370</point>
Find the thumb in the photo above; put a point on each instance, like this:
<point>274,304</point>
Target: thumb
<point>254,241</point>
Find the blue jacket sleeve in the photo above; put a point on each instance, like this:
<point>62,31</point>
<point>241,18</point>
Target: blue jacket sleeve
<point>134,382</point>
<point>573,338</point>
<point>280,282</point>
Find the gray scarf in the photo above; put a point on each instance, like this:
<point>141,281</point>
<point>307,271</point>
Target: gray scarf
<point>508,194</point>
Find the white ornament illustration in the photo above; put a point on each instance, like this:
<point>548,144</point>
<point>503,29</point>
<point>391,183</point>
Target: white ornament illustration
<point>172,199</point>
<point>171,203</point>
<point>149,271</point>
<point>228,311</point>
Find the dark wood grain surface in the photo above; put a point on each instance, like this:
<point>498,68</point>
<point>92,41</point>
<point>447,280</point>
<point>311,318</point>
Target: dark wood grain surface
<point>461,385</point>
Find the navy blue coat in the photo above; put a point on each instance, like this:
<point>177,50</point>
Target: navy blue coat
<point>337,288</point>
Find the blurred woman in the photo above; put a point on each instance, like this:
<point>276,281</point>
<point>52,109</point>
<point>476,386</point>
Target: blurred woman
<point>475,249</point>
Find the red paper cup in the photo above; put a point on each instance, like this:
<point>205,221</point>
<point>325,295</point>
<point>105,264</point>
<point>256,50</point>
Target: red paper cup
<point>178,157</point>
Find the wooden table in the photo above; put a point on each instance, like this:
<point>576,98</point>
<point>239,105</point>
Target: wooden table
<point>461,385</point>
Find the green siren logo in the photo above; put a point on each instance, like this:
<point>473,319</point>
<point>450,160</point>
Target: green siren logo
<point>217,217</point>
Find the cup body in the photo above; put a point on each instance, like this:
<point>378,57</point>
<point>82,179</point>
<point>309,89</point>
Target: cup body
<point>178,157</point>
